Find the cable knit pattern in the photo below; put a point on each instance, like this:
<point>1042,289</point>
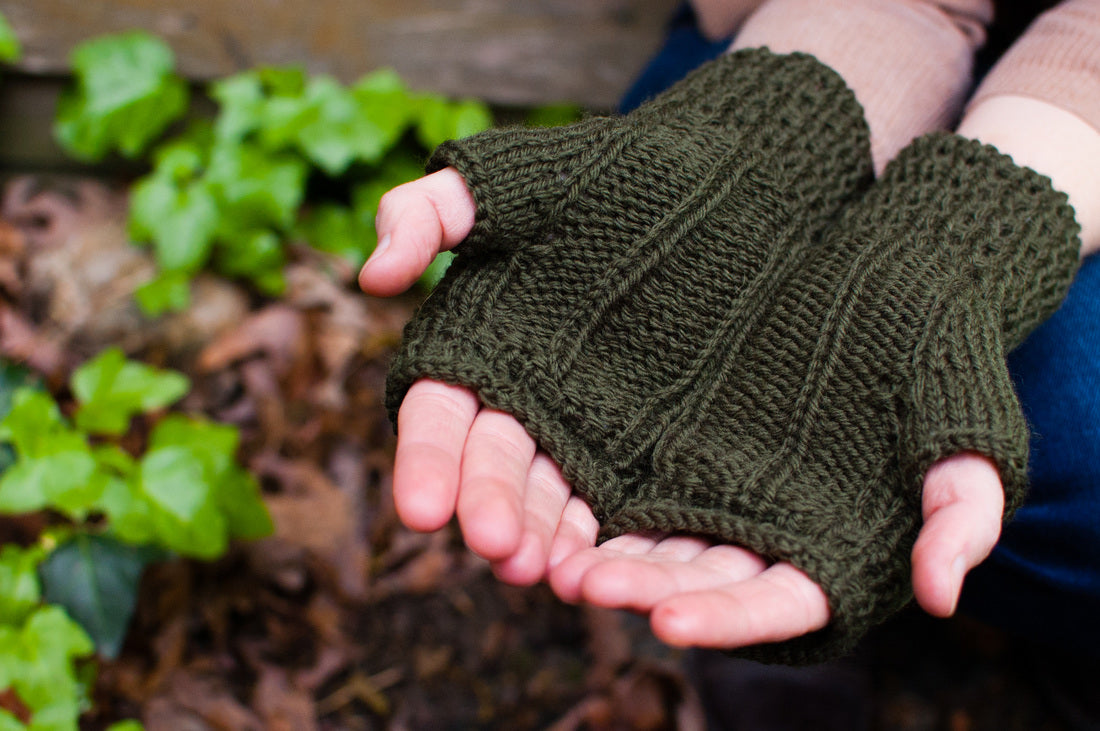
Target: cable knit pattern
<point>704,315</point>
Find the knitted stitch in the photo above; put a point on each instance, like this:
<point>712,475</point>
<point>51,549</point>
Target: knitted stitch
<point>653,298</point>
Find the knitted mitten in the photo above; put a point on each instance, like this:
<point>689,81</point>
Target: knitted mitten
<point>652,298</point>
<point>867,359</point>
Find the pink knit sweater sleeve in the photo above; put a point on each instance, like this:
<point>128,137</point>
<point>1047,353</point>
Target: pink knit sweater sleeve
<point>910,61</point>
<point>1057,60</point>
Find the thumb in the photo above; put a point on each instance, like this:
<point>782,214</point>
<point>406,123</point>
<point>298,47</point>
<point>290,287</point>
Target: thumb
<point>415,222</point>
<point>963,502</point>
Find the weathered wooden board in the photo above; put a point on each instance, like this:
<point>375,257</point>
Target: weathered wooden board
<point>521,52</point>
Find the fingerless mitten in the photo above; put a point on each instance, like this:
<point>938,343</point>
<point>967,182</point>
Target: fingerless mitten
<point>674,307</point>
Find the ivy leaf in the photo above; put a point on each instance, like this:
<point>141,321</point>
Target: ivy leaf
<point>181,221</point>
<point>254,188</point>
<point>19,588</point>
<point>129,511</point>
<point>111,390</point>
<point>185,514</point>
<point>435,271</point>
<point>54,466</point>
<point>95,579</point>
<point>386,104</point>
<point>245,513</point>
<point>41,659</point>
<point>12,377</point>
<point>252,254</point>
<point>241,101</point>
<point>63,480</point>
<point>10,50</point>
<point>214,446</point>
<point>31,422</point>
<point>339,230</point>
<point>245,100</point>
<point>126,95</point>
<point>441,120</point>
<point>554,115</point>
<point>339,132</point>
<point>169,291</point>
<point>127,725</point>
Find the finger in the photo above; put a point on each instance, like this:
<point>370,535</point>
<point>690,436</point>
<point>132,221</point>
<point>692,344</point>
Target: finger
<point>495,463</point>
<point>963,503</point>
<point>778,604</point>
<point>576,533</point>
<point>566,576</point>
<point>674,566</point>
<point>432,425</point>
<point>415,222</point>
<point>545,498</point>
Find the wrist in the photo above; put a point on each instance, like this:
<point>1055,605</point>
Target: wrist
<point>1050,141</point>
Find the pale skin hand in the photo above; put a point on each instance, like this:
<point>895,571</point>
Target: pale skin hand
<point>514,508</point>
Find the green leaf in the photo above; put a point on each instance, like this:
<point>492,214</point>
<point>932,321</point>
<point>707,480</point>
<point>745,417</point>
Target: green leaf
<point>10,50</point>
<point>95,579</point>
<point>13,376</point>
<point>338,230</point>
<point>180,220</point>
<point>31,422</point>
<point>19,588</point>
<point>241,98</point>
<point>128,725</point>
<point>169,291</point>
<point>256,189</point>
<point>126,95</point>
<point>435,271</point>
<point>39,664</point>
<point>54,466</point>
<point>114,459</point>
<point>111,390</point>
<point>129,511</point>
<point>185,513</point>
<point>246,515</point>
<point>386,104</point>
<point>341,132</point>
<point>9,722</point>
<point>247,253</point>
<point>441,120</point>
<point>214,447</point>
<point>63,481</point>
<point>554,115</point>
<point>217,443</point>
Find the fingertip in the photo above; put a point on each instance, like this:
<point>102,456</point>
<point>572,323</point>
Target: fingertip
<point>387,272</point>
<point>565,578</point>
<point>939,569</point>
<point>492,529</point>
<point>526,567</point>
<point>674,624</point>
<point>422,510</point>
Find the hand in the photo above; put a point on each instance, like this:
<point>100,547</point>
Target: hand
<point>516,510</point>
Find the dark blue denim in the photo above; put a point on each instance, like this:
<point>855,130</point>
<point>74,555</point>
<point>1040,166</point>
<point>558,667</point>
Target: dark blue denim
<point>1043,579</point>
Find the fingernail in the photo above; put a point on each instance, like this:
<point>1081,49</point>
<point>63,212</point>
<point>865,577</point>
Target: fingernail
<point>958,574</point>
<point>380,249</point>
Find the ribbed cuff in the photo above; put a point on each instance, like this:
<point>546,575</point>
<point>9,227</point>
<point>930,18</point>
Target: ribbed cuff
<point>520,177</point>
<point>967,204</point>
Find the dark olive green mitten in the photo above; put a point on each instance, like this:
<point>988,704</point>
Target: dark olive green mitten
<point>674,307</point>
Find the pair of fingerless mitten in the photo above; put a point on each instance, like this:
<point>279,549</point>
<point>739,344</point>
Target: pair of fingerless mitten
<point>717,323</point>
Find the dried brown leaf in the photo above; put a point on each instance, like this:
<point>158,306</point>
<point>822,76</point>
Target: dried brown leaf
<point>282,705</point>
